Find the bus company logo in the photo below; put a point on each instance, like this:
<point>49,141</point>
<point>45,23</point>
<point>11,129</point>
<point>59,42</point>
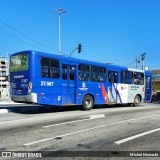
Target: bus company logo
<point>83,87</point>
<point>123,87</point>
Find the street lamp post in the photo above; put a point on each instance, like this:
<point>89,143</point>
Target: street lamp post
<point>59,11</point>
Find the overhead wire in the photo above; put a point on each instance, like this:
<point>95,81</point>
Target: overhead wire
<point>19,39</point>
<point>26,36</point>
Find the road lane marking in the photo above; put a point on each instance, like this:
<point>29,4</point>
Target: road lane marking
<point>136,136</point>
<point>91,117</point>
<point>95,116</point>
<point>59,124</point>
<point>47,139</point>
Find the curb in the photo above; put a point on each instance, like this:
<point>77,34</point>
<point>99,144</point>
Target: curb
<point>9,102</point>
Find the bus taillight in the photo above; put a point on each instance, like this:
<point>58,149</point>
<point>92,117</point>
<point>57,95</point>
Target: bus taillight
<point>29,87</point>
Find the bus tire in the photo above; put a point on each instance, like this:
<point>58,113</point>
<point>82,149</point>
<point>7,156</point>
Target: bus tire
<point>136,101</point>
<point>88,102</point>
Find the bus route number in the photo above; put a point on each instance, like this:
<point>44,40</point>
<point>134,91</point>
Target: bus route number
<point>47,83</point>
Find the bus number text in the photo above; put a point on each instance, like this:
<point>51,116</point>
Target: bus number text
<point>47,83</point>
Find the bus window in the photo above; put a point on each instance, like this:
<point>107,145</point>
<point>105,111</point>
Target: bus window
<point>45,67</point>
<point>93,74</point>
<point>101,74</point>
<point>128,77</point>
<point>71,72</point>
<point>83,72</point>
<point>138,78</point>
<point>98,74</point>
<point>49,68</point>
<point>112,77</point>
<point>54,68</point>
<point>64,72</point>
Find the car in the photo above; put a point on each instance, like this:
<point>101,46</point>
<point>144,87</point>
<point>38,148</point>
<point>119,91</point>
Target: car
<point>156,96</point>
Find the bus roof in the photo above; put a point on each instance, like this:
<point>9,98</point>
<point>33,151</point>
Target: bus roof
<point>72,59</point>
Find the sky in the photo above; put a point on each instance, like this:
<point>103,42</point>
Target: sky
<point>110,31</point>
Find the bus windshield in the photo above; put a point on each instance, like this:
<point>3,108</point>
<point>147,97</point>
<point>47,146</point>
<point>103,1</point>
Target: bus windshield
<point>19,62</point>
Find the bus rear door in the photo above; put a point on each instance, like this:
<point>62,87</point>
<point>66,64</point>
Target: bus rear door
<point>112,87</point>
<point>68,84</point>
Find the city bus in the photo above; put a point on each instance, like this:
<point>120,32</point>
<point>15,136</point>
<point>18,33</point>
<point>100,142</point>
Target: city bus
<point>58,80</point>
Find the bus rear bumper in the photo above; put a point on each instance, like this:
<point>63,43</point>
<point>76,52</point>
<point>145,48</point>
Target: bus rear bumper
<point>25,98</point>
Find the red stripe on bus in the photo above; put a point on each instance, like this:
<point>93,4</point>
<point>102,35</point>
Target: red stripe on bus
<point>104,93</point>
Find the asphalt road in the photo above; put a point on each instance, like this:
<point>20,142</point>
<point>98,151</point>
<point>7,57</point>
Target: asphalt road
<point>111,129</point>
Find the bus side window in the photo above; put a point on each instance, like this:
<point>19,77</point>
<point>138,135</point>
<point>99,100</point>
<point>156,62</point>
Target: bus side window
<point>49,68</point>
<point>122,76</point>
<point>54,68</point>
<point>112,77</point>
<point>101,74</point>
<point>115,78</point>
<point>80,76</point>
<point>45,67</point>
<point>128,78</point>
<point>138,78</point>
<point>72,73</point>
<point>64,72</point>
<point>94,74</point>
<point>83,72</point>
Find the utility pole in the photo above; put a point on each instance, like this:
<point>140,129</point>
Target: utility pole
<point>59,11</point>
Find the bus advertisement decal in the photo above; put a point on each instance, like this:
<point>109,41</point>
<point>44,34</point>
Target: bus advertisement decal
<point>104,93</point>
<point>117,92</point>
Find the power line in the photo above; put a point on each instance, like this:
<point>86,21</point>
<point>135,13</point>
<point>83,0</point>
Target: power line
<point>20,39</point>
<point>26,36</point>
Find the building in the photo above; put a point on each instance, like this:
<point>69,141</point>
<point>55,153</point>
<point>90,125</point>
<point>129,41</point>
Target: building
<point>156,80</point>
<point>4,84</point>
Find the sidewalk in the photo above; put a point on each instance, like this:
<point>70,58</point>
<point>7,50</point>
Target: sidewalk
<point>7,100</point>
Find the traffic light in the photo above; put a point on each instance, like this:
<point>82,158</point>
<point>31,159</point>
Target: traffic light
<point>79,48</point>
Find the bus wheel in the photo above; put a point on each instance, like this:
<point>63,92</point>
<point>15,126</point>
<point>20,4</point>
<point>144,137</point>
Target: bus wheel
<point>136,101</point>
<point>87,102</point>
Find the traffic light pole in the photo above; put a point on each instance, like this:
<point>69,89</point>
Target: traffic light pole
<point>79,49</point>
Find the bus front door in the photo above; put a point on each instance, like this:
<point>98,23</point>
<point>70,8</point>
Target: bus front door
<point>68,84</point>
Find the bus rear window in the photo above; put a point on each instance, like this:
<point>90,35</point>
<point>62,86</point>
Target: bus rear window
<point>19,62</point>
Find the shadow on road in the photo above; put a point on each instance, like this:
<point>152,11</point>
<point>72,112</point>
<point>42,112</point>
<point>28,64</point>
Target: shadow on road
<point>39,109</point>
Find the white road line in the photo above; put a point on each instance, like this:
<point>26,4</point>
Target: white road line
<point>136,136</point>
<point>47,139</point>
<point>91,117</point>
<point>65,123</point>
<point>59,124</point>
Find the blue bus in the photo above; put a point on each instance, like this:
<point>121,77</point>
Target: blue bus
<point>58,80</point>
